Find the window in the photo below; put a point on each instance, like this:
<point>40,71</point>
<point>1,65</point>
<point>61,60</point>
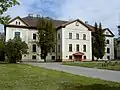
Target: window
<point>107,33</point>
<point>58,36</point>
<point>70,57</point>
<point>34,57</point>
<point>108,50</point>
<point>84,57</point>
<point>84,36</point>
<point>77,47</point>
<point>58,48</point>
<point>34,48</point>
<point>53,49</point>
<point>19,23</point>
<point>53,57</point>
<point>108,57</point>
<point>77,36</point>
<point>77,23</point>
<point>107,42</point>
<point>70,47</point>
<point>84,48</point>
<point>70,35</point>
<point>34,36</point>
<point>17,34</point>
<point>16,22</point>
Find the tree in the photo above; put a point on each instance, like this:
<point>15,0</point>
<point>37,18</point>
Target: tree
<point>46,36</point>
<point>102,42</point>
<point>4,6</point>
<point>98,42</point>
<point>14,49</point>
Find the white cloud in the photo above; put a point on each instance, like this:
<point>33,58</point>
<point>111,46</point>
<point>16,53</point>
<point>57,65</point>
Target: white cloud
<point>104,11</point>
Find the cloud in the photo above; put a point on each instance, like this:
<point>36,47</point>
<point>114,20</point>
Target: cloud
<point>105,11</point>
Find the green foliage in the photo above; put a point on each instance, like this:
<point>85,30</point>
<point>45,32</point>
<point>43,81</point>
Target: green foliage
<point>4,6</point>
<point>2,48</point>
<point>46,36</point>
<point>98,42</point>
<point>14,49</point>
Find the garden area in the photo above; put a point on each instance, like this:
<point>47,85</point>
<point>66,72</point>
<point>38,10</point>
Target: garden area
<point>27,77</point>
<point>110,65</point>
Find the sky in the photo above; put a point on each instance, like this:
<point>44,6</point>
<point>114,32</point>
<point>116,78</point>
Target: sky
<point>105,11</point>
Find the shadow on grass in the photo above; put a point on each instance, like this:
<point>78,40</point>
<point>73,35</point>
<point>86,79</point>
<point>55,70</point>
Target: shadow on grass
<point>68,86</point>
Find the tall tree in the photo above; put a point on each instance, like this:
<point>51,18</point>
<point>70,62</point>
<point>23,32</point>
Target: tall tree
<point>46,36</point>
<point>95,44</point>
<point>4,6</point>
<point>98,42</point>
<point>102,42</point>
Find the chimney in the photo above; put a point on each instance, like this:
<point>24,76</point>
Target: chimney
<point>38,16</point>
<point>30,15</point>
<point>86,22</point>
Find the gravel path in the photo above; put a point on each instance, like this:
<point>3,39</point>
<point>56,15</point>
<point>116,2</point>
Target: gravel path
<point>89,72</point>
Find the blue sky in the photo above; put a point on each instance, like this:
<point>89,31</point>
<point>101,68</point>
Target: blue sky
<point>105,11</point>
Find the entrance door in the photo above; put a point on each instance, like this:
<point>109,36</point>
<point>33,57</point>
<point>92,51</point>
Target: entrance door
<point>78,58</point>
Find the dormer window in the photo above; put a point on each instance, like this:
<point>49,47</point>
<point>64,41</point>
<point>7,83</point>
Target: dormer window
<point>19,23</point>
<point>107,33</point>
<point>16,22</point>
<point>77,24</point>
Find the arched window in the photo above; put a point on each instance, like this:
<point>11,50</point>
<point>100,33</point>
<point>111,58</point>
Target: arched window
<point>84,36</point>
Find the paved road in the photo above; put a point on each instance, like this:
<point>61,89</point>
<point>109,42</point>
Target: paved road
<point>89,72</point>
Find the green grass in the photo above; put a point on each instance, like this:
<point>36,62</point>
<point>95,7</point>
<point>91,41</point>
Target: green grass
<point>26,77</point>
<point>93,65</point>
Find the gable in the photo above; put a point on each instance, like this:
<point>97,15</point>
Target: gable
<point>76,25</point>
<point>18,22</point>
<point>107,32</point>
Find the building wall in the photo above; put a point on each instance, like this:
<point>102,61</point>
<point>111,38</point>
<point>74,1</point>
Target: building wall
<point>72,28</point>
<point>111,46</point>
<point>27,36</point>
<point>118,51</point>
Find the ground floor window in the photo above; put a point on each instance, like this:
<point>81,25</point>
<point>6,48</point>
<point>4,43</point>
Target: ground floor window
<point>70,57</point>
<point>108,57</point>
<point>84,57</point>
<point>34,57</point>
<point>53,57</point>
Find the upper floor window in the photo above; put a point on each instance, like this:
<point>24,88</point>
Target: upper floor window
<point>58,48</point>
<point>53,49</point>
<point>84,36</point>
<point>77,47</point>
<point>19,23</point>
<point>77,23</point>
<point>107,33</point>
<point>70,47</point>
<point>34,36</point>
<point>58,36</point>
<point>16,22</point>
<point>77,36</point>
<point>84,48</point>
<point>17,34</point>
<point>34,48</point>
<point>70,35</point>
<point>108,50</point>
<point>107,41</point>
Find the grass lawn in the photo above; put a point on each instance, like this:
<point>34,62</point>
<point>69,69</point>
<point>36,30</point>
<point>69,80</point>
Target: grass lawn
<point>93,65</point>
<point>26,77</point>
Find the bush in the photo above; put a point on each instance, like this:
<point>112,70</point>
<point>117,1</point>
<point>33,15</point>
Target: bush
<point>14,50</point>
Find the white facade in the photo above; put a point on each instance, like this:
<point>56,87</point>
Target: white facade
<point>65,41</point>
<point>118,51</point>
<point>83,41</point>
